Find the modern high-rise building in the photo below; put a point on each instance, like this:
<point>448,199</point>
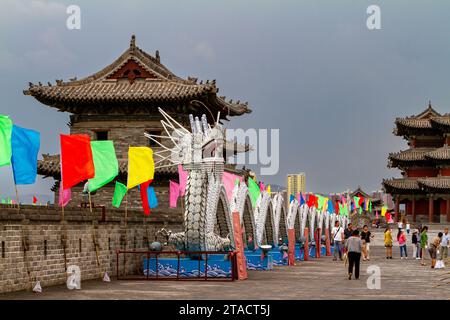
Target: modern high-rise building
<point>296,182</point>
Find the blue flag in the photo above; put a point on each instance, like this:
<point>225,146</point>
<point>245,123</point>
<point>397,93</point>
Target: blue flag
<point>291,197</point>
<point>25,145</point>
<point>302,199</point>
<point>330,206</point>
<point>152,200</point>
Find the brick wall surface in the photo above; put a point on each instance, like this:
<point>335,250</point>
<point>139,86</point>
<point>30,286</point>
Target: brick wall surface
<point>31,242</point>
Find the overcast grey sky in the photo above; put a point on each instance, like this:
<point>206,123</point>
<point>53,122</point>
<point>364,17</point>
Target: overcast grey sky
<point>310,68</point>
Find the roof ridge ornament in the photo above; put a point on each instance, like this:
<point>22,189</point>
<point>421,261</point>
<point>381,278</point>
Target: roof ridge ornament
<point>133,42</point>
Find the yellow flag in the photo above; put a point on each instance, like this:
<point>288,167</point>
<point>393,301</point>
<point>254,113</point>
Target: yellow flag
<point>383,211</point>
<point>268,189</point>
<point>141,166</point>
<point>325,205</point>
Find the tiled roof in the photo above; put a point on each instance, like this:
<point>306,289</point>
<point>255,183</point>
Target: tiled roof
<point>423,155</point>
<point>413,154</point>
<point>401,184</point>
<point>439,154</point>
<point>435,183</point>
<point>429,120</point>
<point>414,123</point>
<point>443,121</point>
<point>154,86</point>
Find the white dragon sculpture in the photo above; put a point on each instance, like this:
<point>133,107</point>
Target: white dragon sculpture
<point>207,211</point>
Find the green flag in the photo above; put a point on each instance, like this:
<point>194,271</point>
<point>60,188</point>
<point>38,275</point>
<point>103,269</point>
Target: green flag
<point>119,192</point>
<point>3,201</point>
<point>320,202</point>
<point>105,163</point>
<point>346,210</point>
<point>356,201</point>
<point>254,190</point>
<point>370,206</point>
<point>5,140</point>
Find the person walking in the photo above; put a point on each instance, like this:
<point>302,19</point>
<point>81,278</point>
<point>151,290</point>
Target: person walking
<point>388,242</point>
<point>401,238</point>
<point>338,236</point>
<point>444,244</point>
<point>434,246</point>
<point>366,235</point>
<point>354,245</point>
<point>416,244</point>
<point>423,243</point>
<point>348,231</point>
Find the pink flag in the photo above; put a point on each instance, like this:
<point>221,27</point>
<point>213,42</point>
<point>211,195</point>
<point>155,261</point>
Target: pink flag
<point>376,214</point>
<point>228,180</point>
<point>64,196</point>
<point>388,217</point>
<point>262,187</point>
<point>174,193</point>
<point>183,179</point>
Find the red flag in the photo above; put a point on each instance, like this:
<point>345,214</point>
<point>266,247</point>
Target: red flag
<point>313,201</point>
<point>316,201</point>
<point>77,164</point>
<point>34,200</point>
<point>336,207</point>
<point>310,201</point>
<point>144,196</point>
<point>360,202</point>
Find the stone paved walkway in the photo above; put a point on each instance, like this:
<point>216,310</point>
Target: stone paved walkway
<point>316,279</point>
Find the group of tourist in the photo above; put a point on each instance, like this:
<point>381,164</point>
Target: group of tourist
<point>350,244</point>
<point>420,244</point>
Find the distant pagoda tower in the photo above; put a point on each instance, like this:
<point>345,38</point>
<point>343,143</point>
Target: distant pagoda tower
<point>425,166</point>
<point>120,103</point>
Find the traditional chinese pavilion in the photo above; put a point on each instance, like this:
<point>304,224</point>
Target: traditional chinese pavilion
<point>120,103</point>
<point>424,188</point>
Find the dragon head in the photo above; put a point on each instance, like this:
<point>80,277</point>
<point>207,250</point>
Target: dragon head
<point>203,144</point>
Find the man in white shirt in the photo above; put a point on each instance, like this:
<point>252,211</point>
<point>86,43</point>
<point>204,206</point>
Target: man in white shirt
<point>337,233</point>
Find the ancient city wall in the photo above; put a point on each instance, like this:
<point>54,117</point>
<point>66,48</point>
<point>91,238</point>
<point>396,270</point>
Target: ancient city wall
<point>32,242</point>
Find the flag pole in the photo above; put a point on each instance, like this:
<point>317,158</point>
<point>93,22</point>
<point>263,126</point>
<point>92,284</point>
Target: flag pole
<point>94,237</point>
<point>90,201</point>
<point>125,242</point>
<point>17,197</point>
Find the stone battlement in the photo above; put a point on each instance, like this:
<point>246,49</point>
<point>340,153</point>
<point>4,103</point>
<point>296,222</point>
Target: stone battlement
<point>35,245</point>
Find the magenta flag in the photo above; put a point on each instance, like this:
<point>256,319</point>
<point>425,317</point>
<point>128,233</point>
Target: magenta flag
<point>228,180</point>
<point>174,193</point>
<point>64,196</point>
<point>183,179</point>
<point>262,187</point>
